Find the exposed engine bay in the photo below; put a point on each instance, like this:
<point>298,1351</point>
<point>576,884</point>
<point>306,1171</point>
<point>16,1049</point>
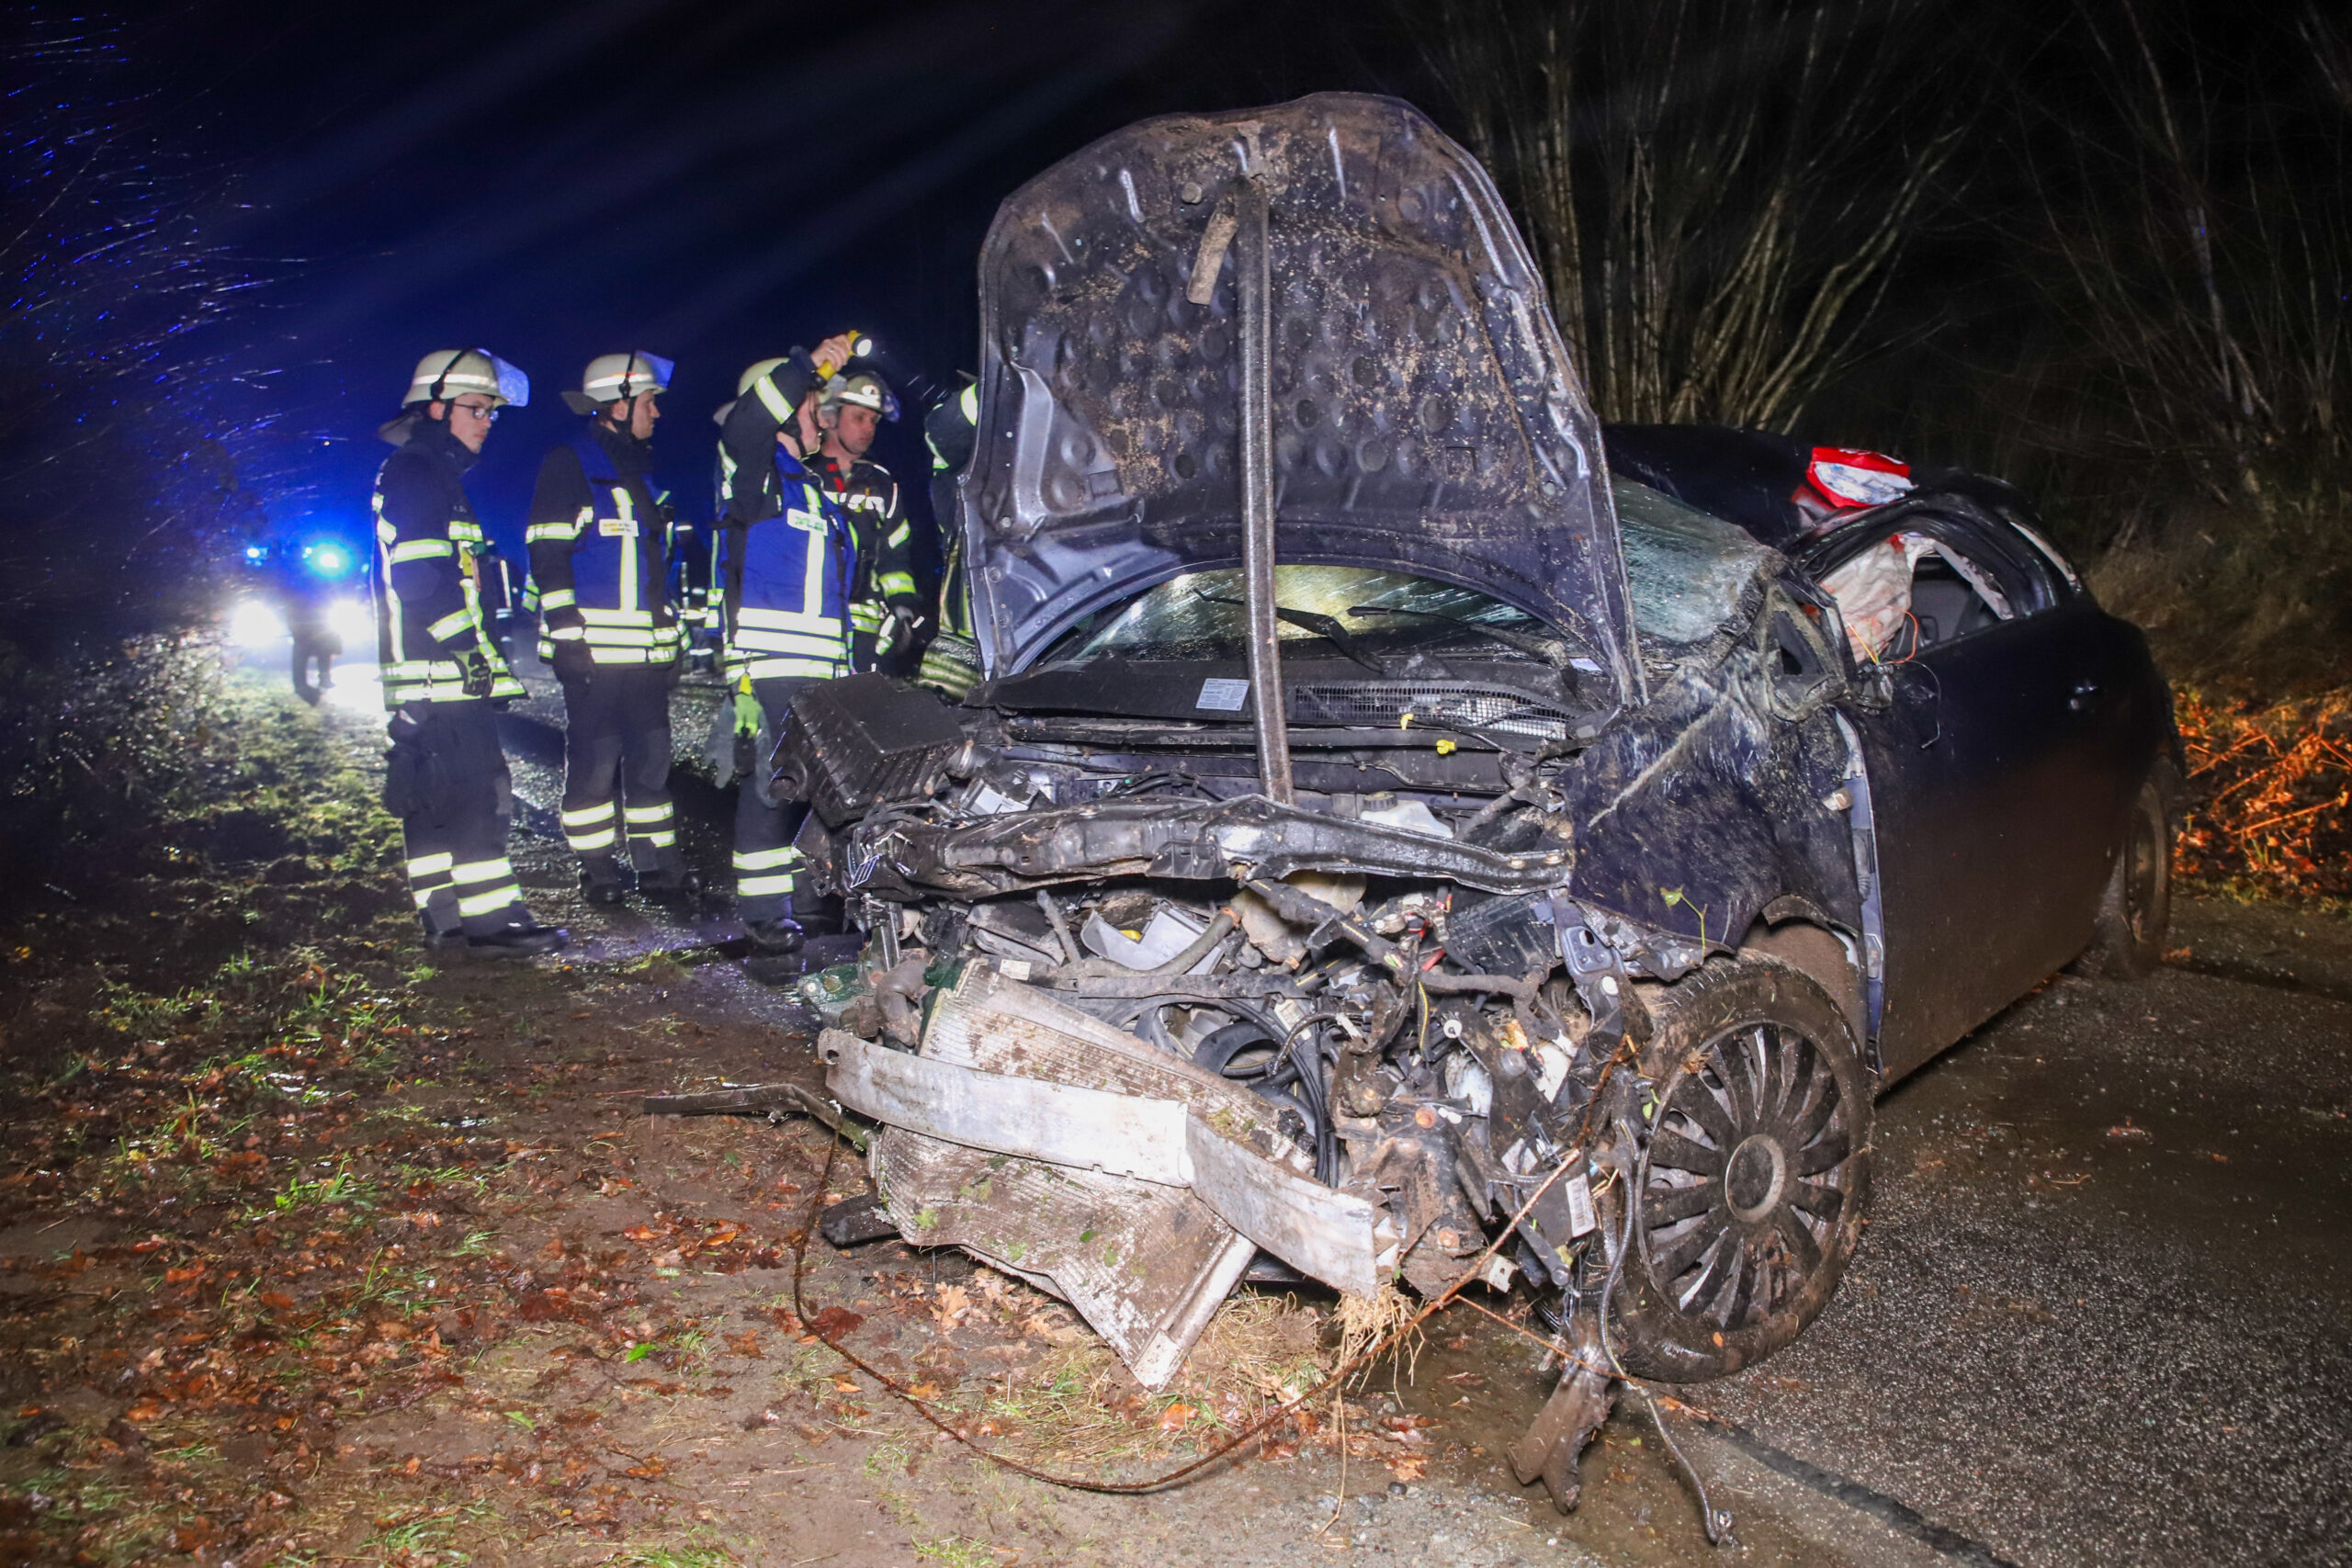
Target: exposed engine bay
<point>1134,1032</point>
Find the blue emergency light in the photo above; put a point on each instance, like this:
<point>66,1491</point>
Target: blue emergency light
<point>327,559</point>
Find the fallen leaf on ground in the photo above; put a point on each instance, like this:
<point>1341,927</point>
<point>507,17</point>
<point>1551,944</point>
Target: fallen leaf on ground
<point>835,1322</point>
<point>954,1302</point>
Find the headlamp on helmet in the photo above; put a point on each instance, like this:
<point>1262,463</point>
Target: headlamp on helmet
<point>864,391</point>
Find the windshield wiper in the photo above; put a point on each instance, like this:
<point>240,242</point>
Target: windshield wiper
<point>1324,627</point>
<point>1544,649</point>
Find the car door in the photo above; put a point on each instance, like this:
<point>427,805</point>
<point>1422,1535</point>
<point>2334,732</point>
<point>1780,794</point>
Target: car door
<point>1990,783</point>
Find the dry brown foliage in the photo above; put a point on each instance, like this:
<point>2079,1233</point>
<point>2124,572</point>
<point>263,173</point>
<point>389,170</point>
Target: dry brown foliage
<point>2271,793</point>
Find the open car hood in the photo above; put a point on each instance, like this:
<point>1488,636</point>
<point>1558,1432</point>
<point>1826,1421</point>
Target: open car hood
<point>1426,415</point>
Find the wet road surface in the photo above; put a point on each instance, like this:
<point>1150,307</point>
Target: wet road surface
<point>2099,1317</point>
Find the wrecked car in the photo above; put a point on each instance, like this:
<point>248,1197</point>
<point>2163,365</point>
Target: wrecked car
<point>1383,845</point>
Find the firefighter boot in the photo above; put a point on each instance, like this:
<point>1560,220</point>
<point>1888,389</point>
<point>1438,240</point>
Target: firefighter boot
<point>775,938</point>
<point>602,880</point>
<point>670,887</point>
<point>525,938</point>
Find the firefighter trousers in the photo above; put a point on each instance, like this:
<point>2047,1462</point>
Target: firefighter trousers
<point>766,865</point>
<point>616,770</point>
<point>446,779</point>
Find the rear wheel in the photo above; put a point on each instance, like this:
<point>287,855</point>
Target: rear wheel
<point>1751,1194</point>
<point>2128,940</point>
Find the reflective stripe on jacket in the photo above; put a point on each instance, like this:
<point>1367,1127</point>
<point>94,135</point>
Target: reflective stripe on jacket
<point>425,578</point>
<point>602,573</point>
<point>788,583</point>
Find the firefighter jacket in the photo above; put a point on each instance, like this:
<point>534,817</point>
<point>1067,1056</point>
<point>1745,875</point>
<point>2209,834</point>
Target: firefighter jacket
<point>877,518</point>
<point>425,582</point>
<point>598,534</point>
<point>787,555</point>
<point>787,580</point>
<point>951,664</point>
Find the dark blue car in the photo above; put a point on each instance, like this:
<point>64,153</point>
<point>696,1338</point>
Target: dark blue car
<point>1386,844</point>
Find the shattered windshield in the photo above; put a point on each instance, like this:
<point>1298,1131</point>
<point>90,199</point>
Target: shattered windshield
<point>1688,572</point>
<point>1361,611</point>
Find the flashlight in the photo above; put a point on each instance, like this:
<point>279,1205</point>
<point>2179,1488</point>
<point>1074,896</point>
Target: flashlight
<point>919,387</point>
<point>861,346</point>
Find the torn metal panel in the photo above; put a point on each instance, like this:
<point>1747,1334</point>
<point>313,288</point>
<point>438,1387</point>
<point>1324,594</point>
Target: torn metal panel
<point>1324,1234</point>
<point>1036,1119</point>
<point>1093,1121</point>
<point>1146,1266</point>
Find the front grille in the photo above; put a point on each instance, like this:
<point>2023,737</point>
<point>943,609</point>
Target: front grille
<point>1384,704</point>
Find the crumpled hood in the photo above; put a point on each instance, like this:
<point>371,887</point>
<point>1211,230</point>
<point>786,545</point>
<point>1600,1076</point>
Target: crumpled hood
<point>1426,416</point>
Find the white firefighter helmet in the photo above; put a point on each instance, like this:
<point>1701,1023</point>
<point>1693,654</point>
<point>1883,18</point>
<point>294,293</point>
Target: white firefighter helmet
<point>746,382</point>
<point>752,372</point>
<point>864,391</point>
<point>450,373</point>
<point>613,377</point>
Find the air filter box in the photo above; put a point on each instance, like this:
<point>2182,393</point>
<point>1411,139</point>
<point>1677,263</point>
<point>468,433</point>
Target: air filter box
<point>851,744</point>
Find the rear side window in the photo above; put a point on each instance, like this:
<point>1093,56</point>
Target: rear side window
<point>1909,582</point>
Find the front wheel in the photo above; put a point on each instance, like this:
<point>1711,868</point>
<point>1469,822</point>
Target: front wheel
<point>1749,1196</point>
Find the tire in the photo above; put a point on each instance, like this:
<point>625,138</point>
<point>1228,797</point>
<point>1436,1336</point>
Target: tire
<point>1757,1176</point>
<point>2128,937</point>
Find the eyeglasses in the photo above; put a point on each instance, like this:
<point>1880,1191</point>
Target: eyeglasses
<point>485,412</point>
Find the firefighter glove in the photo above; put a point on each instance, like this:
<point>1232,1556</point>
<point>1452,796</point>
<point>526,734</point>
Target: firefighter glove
<point>478,676</point>
<point>899,629</point>
<point>573,661</point>
<point>748,715</point>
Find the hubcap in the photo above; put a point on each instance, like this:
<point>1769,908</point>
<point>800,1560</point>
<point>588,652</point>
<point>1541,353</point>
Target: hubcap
<point>1748,1173</point>
<point>1755,1176</point>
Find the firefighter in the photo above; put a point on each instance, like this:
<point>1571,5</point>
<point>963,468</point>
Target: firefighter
<point>951,663</point>
<point>885,612</point>
<point>787,563</point>
<point>298,581</point>
<point>445,777</point>
<point>598,533</point>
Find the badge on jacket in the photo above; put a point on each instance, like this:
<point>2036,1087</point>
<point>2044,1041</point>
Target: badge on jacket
<point>617,527</point>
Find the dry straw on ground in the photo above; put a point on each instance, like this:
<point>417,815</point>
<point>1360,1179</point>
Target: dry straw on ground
<point>2270,793</point>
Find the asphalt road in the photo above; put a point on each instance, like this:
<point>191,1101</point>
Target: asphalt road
<point>2099,1317</point>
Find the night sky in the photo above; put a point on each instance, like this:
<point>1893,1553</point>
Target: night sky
<point>716,182</point>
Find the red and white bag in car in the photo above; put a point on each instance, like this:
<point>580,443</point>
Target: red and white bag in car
<point>1839,479</point>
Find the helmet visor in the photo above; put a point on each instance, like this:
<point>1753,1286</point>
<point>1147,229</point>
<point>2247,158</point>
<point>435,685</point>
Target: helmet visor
<point>654,365</point>
<point>512,385</point>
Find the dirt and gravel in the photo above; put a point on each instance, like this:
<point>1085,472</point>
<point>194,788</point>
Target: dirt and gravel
<point>312,1251</point>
